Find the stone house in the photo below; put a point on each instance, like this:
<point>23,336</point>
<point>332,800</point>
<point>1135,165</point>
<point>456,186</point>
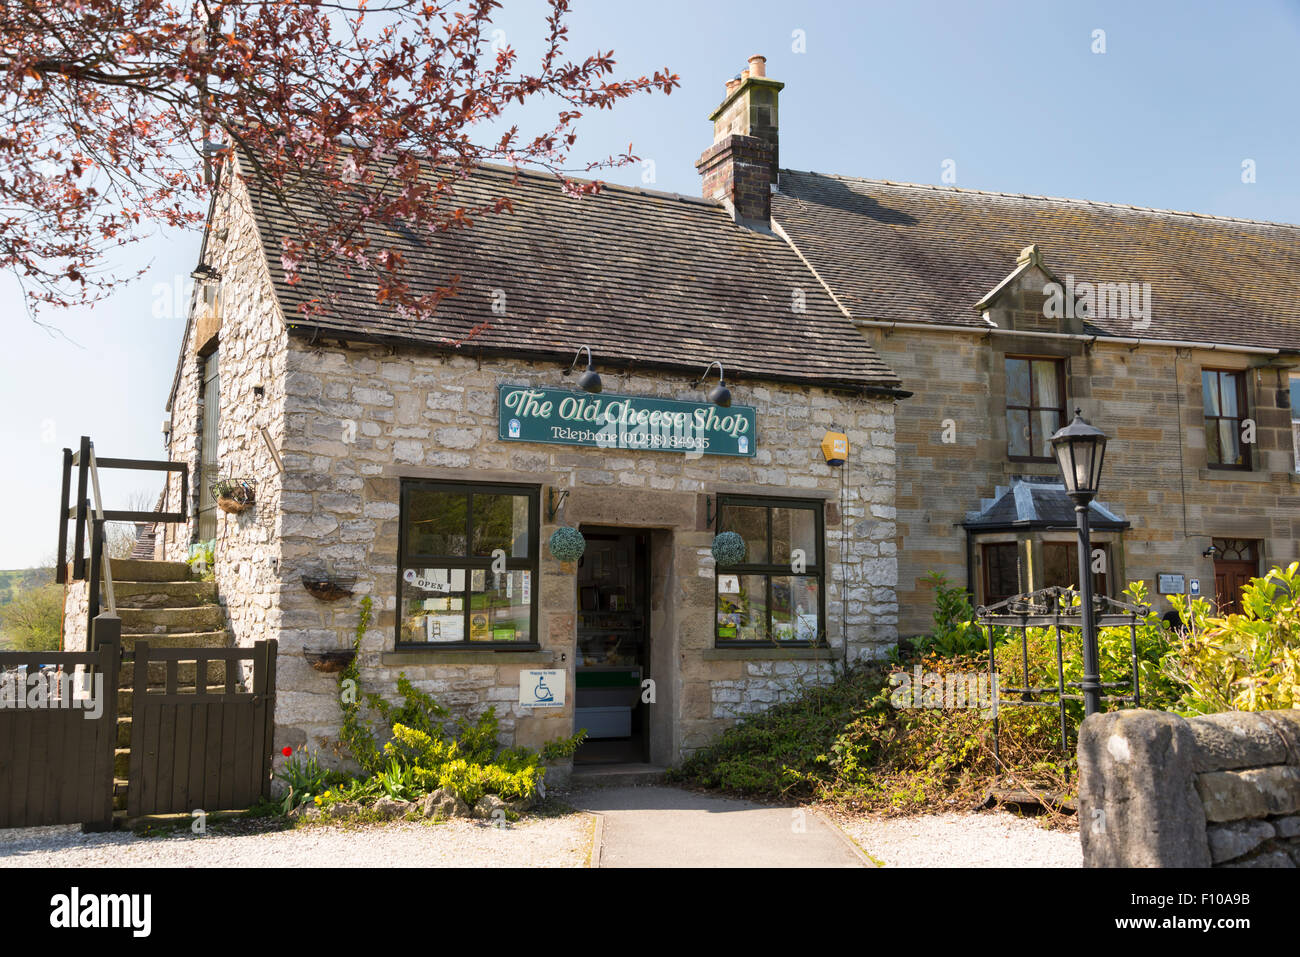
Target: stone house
<point>428,467</point>
<point>1177,334</point>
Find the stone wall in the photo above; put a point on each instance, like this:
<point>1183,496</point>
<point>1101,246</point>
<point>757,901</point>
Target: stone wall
<point>1221,790</point>
<point>251,340</point>
<point>76,608</point>
<point>361,418</point>
<point>1147,400</point>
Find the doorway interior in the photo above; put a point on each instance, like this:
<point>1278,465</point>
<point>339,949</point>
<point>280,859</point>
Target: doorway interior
<point>612,658</point>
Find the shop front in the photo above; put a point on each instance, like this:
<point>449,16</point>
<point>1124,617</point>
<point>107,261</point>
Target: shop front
<point>446,498</point>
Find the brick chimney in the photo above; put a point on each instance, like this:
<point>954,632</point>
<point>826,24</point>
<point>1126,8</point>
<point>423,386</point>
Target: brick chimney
<point>740,168</point>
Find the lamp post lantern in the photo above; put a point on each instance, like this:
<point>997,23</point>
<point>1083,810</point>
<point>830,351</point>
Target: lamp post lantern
<point>1080,450</point>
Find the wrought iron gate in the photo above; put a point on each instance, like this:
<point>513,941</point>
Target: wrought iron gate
<point>1059,610</point>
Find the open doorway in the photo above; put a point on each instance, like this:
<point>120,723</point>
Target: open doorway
<point>613,646</point>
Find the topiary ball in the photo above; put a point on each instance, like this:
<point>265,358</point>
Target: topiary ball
<point>567,544</point>
<point>728,548</point>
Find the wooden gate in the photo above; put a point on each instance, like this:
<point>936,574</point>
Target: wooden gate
<point>200,749</point>
<point>56,743</point>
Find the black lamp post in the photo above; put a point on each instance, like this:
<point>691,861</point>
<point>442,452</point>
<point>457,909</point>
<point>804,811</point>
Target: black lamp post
<point>1080,450</point>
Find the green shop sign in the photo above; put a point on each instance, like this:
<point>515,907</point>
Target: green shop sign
<point>564,417</point>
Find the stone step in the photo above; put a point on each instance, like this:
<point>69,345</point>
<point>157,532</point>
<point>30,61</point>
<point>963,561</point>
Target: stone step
<point>218,638</point>
<point>140,570</point>
<point>185,594</point>
<point>161,621</point>
<point>123,731</point>
<point>617,775</point>
<point>121,763</point>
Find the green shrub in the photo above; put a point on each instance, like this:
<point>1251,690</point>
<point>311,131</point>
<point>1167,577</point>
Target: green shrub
<point>954,630</point>
<point>1241,662</point>
<point>422,754</point>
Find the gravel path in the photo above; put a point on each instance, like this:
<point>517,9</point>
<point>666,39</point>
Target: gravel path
<point>563,841</point>
<point>986,839</point>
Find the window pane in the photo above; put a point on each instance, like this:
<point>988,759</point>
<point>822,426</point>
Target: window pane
<point>1017,432</point>
<point>1002,572</point>
<point>433,605</point>
<point>1047,424</point>
<point>1229,382</point>
<point>501,521</point>
<point>794,608</point>
<point>1047,392</point>
<point>435,522</point>
<point>750,521</point>
<point>1210,392</point>
<point>1295,398</point>
<point>1060,565</point>
<point>500,605</point>
<point>742,607</point>
<point>1228,442</point>
<point>1018,382</point>
<point>794,528</point>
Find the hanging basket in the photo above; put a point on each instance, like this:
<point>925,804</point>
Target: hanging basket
<point>728,548</point>
<point>233,495</point>
<point>329,588</point>
<point>567,544</point>
<point>330,662</point>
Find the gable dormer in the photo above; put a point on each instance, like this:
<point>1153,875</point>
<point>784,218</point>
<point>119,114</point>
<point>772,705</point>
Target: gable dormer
<point>1032,299</point>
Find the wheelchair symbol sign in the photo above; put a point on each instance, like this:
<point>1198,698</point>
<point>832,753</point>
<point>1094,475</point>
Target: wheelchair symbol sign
<point>541,688</point>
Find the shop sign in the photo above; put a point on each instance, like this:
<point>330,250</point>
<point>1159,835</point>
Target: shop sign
<point>542,688</point>
<point>564,417</point>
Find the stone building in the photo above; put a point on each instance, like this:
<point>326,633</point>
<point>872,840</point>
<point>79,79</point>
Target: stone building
<point>1181,346</point>
<point>1177,334</point>
<point>370,439</point>
<point>428,467</point>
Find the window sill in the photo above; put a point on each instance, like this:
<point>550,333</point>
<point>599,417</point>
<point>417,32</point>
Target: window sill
<point>732,653</point>
<point>1234,475</point>
<point>459,656</point>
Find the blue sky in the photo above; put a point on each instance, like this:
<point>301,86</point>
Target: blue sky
<point>1012,93</point>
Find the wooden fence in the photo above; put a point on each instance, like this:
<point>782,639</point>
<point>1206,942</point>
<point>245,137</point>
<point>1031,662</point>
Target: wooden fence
<point>200,749</point>
<point>58,728</point>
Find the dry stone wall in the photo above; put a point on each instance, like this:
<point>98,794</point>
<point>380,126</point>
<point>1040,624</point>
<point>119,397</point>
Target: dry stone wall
<point>1221,790</point>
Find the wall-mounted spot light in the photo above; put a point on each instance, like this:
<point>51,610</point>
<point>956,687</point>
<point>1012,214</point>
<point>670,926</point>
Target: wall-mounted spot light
<point>1210,552</point>
<point>205,273</point>
<point>719,395</point>
<point>589,381</point>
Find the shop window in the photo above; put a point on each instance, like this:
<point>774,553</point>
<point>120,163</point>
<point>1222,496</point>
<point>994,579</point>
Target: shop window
<point>451,535</point>
<point>1224,396</point>
<point>1001,561</point>
<point>1035,406</point>
<point>1061,566</point>
<point>776,594</point>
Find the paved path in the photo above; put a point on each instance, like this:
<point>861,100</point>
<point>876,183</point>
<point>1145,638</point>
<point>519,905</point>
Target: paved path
<point>670,827</point>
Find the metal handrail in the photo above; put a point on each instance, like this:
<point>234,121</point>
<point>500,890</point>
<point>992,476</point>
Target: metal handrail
<point>99,518</point>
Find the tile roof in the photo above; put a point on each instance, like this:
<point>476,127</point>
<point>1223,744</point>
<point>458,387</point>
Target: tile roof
<point>645,278</point>
<point>910,253</point>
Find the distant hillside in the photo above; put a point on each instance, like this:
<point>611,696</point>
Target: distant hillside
<point>14,580</point>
